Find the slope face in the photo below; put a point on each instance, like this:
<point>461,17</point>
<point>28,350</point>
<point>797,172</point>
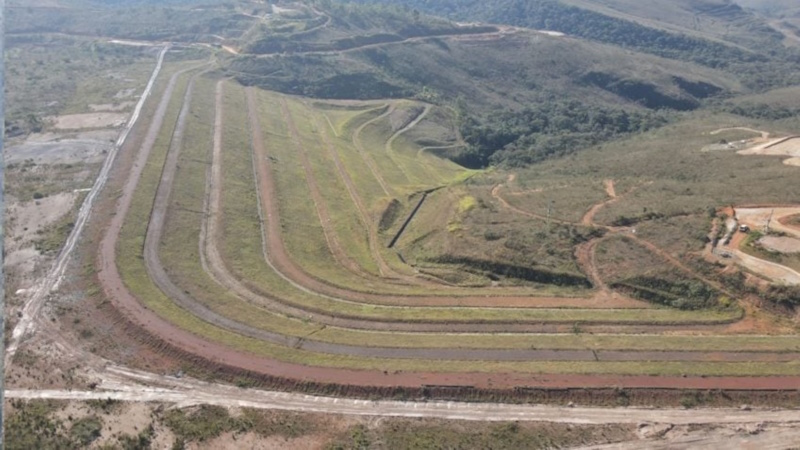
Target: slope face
<point>485,72</point>
<point>721,20</point>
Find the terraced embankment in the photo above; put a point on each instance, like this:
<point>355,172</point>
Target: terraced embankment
<point>249,213</point>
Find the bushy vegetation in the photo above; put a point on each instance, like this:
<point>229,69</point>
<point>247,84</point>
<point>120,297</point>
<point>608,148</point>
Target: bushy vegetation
<point>758,68</point>
<point>545,130</point>
<point>532,274</point>
<point>761,111</point>
<point>514,110</point>
<point>686,295</point>
<point>146,20</point>
<point>208,422</point>
<point>32,425</point>
<point>783,294</point>
<point>365,25</point>
<point>412,435</point>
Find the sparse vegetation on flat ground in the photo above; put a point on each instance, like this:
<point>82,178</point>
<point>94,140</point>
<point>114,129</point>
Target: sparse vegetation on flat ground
<point>49,75</point>
<point>58,425</point>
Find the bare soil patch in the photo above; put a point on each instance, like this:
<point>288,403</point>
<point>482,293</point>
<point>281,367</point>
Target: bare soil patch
<point>90,120</point>
<point>52,148</point>
<point>781,244</point>
<point>777,217</point>
<point>27,219</point>
<point>789,146</point>
<point>111,107</point>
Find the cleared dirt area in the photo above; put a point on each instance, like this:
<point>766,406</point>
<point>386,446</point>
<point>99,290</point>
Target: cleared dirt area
<point>112,107</point>
<point>788,147</point>
<point>90,120</point>
<point>52,148</point>
<point>757,218</point>
<point>776,218</point>
<point>781,244</point>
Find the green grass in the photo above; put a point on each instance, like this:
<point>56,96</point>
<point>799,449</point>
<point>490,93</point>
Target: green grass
<point>566,199</point>
<point>410,434</point>
<point>189,194</point>
<point>350,230</point>
<point>304,237</point>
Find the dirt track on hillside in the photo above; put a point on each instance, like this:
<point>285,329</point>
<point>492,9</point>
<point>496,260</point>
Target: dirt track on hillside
<point>588,218</point>
<point>369,224</point>
<point>278,256</point>
<point>160,330</point>
<point>373,167</point>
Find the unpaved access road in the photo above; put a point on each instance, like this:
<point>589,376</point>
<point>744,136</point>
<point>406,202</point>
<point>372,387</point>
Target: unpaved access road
<point>124,384</point>
<point>52,280</point>
<point>787,147</point>
<point>757,218</point>
<point>771,270</point>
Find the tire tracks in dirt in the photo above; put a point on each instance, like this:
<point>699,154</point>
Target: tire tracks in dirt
<point>585,253</point>
<point>588,218</point>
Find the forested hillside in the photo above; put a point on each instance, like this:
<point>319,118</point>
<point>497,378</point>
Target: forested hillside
<point>751,52</point>
<point>522,96</point>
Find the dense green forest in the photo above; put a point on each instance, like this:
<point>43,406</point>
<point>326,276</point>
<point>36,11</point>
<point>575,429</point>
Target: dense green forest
<point>548,129</point>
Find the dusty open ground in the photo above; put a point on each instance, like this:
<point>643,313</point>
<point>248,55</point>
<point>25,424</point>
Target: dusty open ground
<point>781,244</point>
<point>89,120</point>
<point>787,147</point>
<point>758,218</point>
<point>54,148</point>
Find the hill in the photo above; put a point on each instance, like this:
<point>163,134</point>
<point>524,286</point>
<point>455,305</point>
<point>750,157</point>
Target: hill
<point>533,94</point>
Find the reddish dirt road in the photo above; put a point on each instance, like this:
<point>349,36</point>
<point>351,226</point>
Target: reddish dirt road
<point>279,258</point>
<point>167,336</point>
